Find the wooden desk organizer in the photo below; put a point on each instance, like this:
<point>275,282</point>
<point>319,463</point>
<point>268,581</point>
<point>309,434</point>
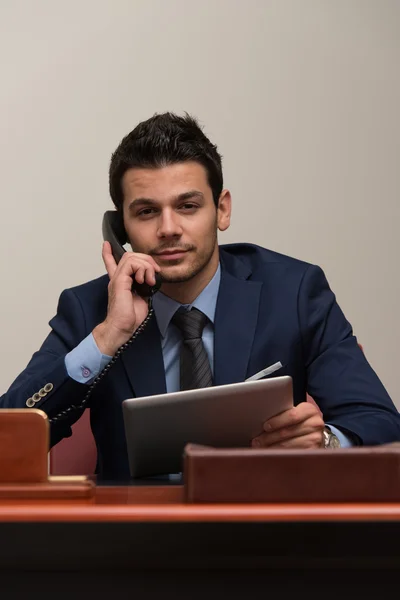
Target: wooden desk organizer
<point>367,474</point>
<point>24,447</point>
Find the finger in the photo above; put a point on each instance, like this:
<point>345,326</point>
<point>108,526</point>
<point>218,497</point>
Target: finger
<point>145,274</point>
<point>303,442</point>
<point>131,264</point>
<point>293,416</point>
<point>137,256</point>
<point>139,275</point>
<point>150,277</point>
<point>108,259</point>
<point>312,425</point>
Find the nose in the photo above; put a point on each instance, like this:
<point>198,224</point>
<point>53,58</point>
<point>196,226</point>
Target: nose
<point>169,225</point>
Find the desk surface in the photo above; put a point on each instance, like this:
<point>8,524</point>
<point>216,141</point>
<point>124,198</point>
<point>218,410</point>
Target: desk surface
<point>165,503</point>
<point>133,528</point>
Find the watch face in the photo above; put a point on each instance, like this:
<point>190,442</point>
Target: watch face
<point>334,441</point>
<point>331,440</point>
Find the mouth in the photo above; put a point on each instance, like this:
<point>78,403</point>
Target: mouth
<point>173,254</point>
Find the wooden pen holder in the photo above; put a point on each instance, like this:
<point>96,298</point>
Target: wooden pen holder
<point>24,447</point>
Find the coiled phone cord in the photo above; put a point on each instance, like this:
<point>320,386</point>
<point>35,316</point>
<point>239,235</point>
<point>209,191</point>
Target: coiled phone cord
<point>64,414</point>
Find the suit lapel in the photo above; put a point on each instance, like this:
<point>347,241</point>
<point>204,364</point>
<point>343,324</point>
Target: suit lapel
<point>235,322</point>
<point>234,330</point>
<point>144,364</point>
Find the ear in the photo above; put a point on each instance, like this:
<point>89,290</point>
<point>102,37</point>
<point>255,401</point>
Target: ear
<point>224,210</point>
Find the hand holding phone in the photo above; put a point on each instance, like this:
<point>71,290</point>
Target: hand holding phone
<point>126,311</point>
<point>128,271</point>
<point>114,232</point>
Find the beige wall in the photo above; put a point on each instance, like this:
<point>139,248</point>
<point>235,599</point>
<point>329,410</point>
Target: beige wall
<point>302,97</point>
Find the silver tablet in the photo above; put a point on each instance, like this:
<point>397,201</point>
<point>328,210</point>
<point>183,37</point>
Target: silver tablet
<point>158,427</point>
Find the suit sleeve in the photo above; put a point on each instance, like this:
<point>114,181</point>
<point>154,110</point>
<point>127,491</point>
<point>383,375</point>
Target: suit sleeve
<point>45,379</point>
<point>339,377</point>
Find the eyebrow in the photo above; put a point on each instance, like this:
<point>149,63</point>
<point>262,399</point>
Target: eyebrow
<point>181,198</point>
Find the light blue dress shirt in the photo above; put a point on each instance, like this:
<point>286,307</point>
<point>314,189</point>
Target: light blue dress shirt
<point>86,361</point>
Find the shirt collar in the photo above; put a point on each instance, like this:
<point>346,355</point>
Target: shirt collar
<point>206,301</point>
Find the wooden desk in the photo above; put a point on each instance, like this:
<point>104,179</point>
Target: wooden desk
<point>148,538</point>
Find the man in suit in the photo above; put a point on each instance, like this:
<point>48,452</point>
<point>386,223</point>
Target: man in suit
<point>252,307</point>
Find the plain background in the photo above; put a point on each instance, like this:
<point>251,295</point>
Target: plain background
<point>301,96</point>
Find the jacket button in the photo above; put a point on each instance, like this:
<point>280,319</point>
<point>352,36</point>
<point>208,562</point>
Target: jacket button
<point>30,403</point>
<point>36,397</point>
<point>48,387</point>
<point>42,393</point>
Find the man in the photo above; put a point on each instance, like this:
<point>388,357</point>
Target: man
<point>256,307</point>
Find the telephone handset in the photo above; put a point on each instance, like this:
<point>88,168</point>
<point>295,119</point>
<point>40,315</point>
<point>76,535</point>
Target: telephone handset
<point>114,232</point>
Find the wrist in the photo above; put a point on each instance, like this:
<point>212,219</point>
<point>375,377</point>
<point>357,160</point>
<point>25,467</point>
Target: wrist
<point>108,338</point>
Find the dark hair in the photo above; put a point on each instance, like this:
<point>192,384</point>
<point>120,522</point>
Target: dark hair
<point>162,140</point>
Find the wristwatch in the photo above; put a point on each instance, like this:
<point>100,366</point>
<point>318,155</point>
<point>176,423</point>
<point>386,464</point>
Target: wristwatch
<point>330,439</point>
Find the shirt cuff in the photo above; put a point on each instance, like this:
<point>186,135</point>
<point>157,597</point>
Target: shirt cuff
<point>345,441</point>
<point>86,361</point>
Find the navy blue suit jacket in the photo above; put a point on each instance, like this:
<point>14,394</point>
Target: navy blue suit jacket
<point>270,308</point>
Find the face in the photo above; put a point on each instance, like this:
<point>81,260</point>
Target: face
<point>170,213</point>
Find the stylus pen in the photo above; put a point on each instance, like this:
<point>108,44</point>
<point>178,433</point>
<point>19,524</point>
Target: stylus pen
<point>265,372</point>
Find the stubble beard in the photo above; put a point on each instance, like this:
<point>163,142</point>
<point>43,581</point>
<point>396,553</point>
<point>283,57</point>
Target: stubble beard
<point>193,270</point>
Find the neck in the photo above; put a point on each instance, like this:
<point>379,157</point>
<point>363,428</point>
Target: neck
<point>186,292</point>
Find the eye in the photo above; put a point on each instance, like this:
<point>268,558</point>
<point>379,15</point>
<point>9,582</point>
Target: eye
<point>188,206</point>
<point>146,212</point>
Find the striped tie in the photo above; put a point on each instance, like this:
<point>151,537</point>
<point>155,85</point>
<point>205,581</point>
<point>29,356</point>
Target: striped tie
<point>194,364</point>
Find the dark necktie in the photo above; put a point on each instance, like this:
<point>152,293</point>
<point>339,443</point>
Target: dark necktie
<point>194,364</point>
